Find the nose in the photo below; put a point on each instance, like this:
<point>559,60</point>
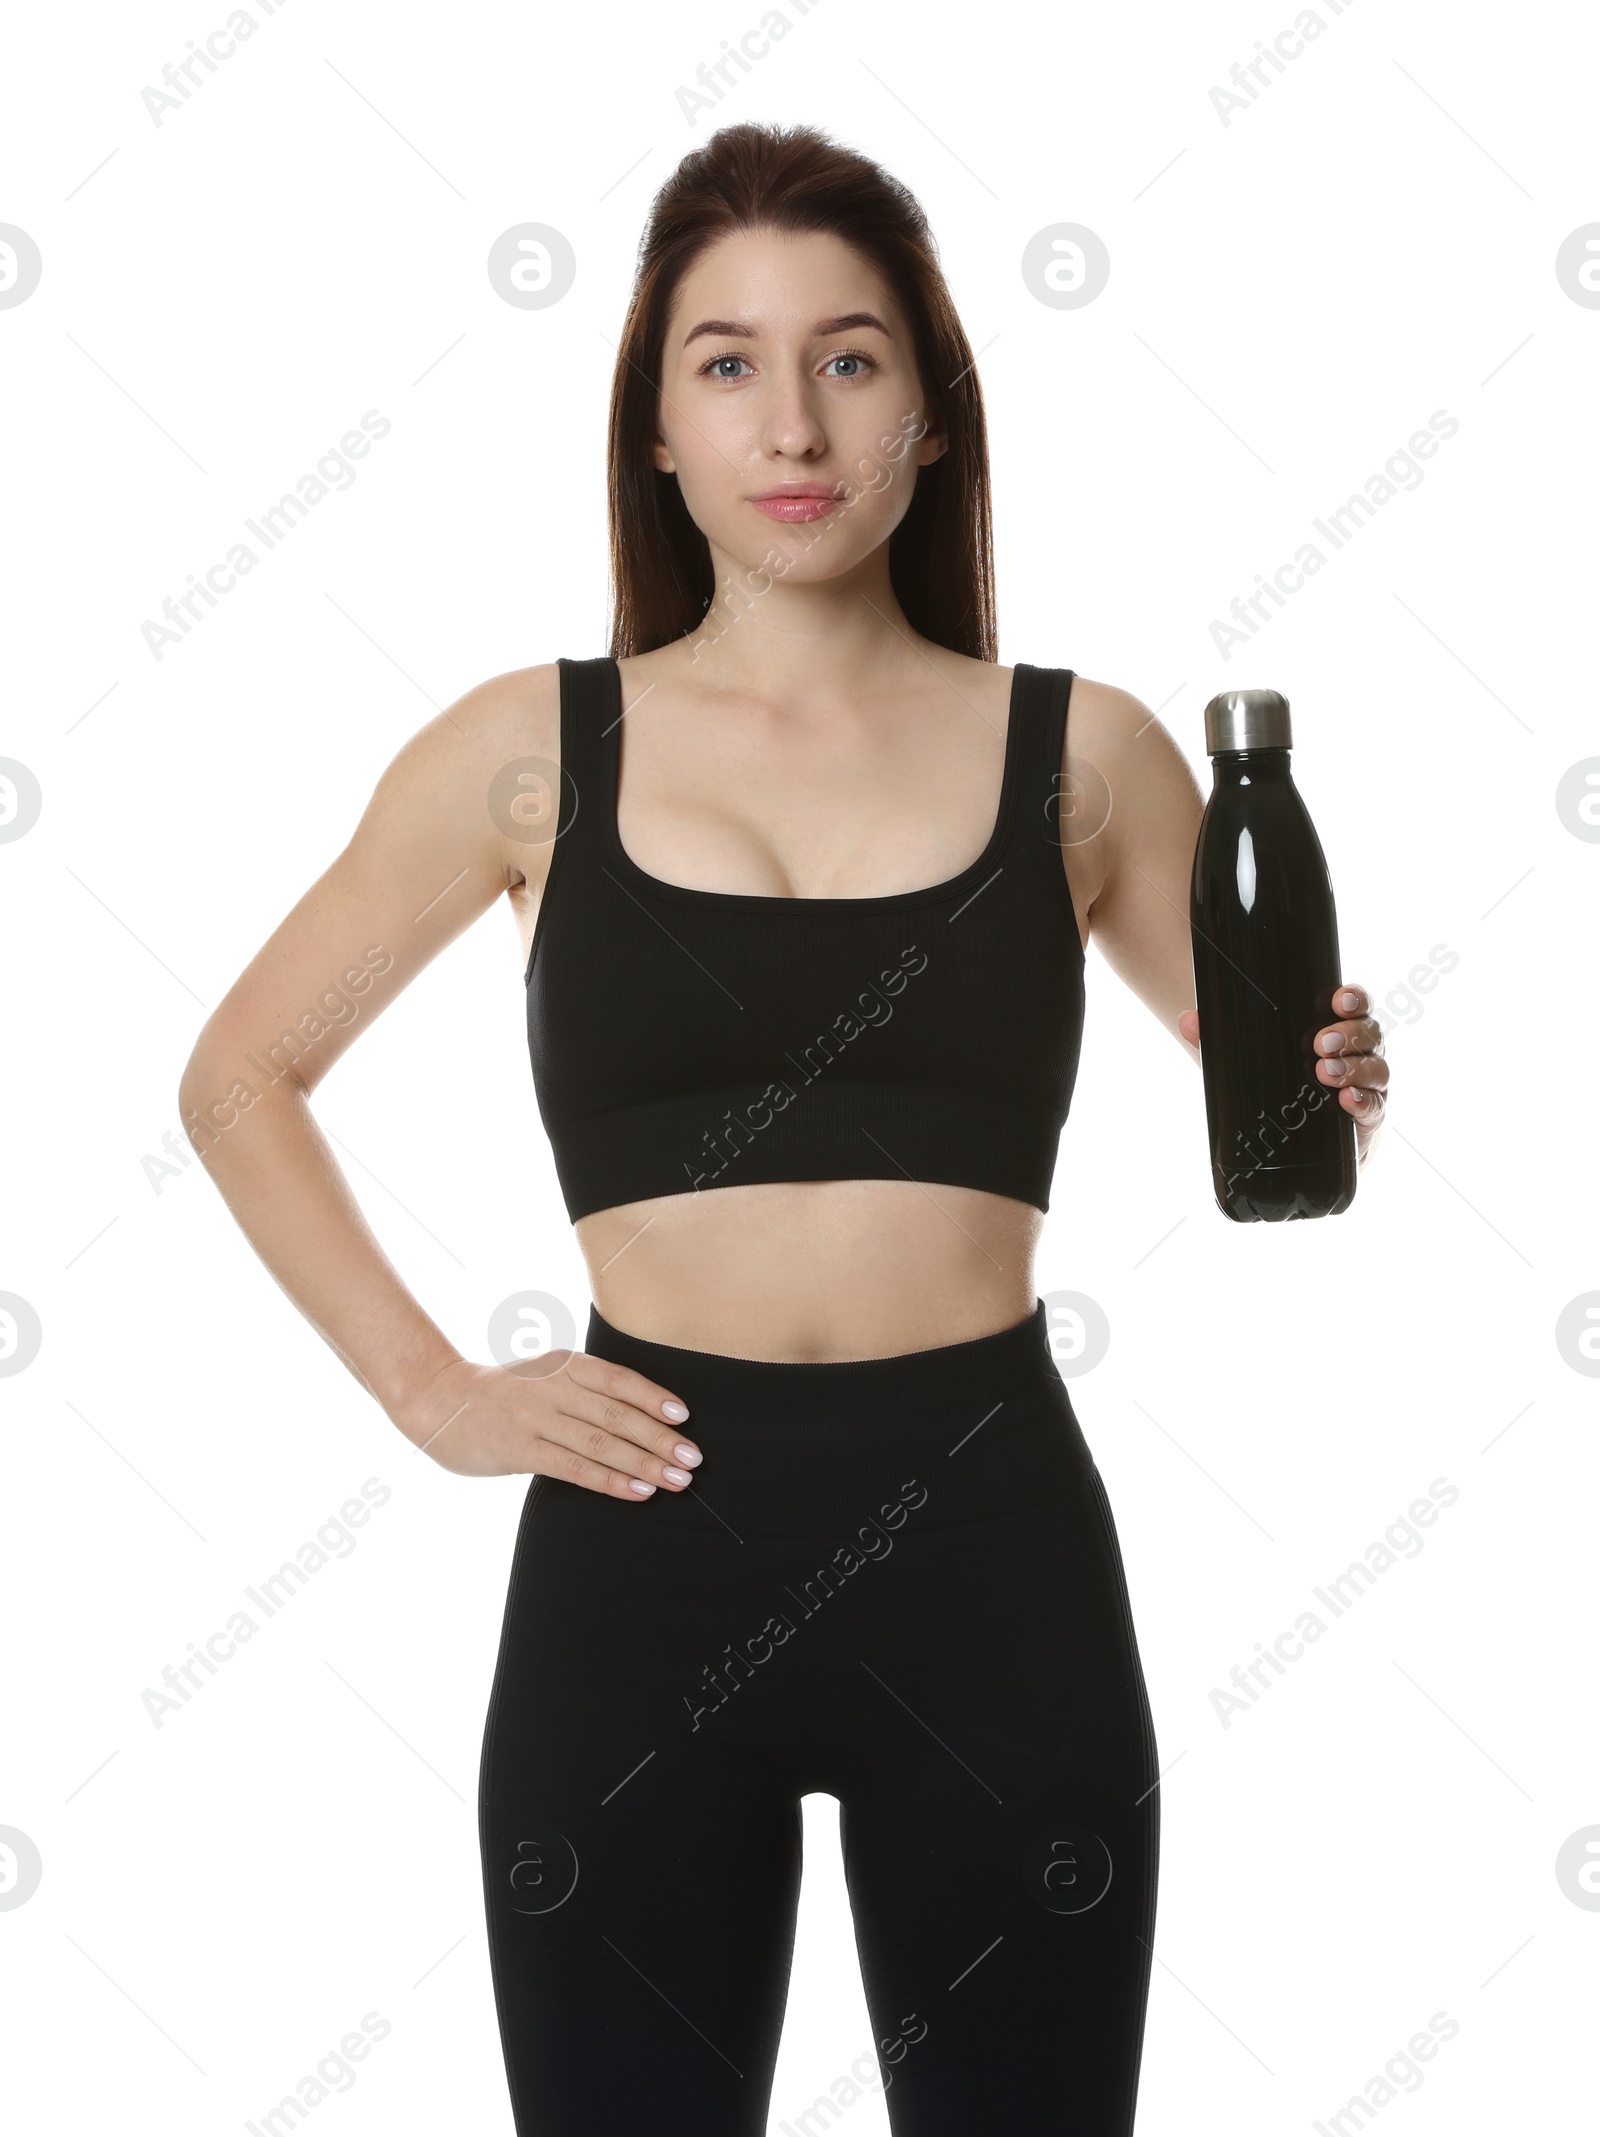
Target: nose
<point>792,426</point>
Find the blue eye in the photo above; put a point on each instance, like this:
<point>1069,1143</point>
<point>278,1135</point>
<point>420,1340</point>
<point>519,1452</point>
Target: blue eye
<point>712,367</point>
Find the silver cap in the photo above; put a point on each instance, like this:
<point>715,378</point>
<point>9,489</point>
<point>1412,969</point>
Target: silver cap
<point>1247,719</point>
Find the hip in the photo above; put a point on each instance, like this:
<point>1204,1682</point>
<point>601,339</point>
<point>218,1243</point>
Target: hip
<point>932,1522</point>
<point>956,1433</point>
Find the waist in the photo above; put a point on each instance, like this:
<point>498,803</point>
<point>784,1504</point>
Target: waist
<point>824,1270</point>
<point>936,1437</point>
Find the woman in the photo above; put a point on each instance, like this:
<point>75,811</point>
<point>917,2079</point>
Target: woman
<point>805,887</point>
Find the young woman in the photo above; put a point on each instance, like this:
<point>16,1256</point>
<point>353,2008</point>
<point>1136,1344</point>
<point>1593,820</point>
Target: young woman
<point>805,880</point>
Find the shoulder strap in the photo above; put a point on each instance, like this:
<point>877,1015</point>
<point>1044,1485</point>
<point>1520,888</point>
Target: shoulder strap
<point>1055,742</point>
<point>1042,700</point>
<point>587,711</point>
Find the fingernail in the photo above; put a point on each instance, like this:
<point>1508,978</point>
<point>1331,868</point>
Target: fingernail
<point>1334,1068</point>
<point>641,1487</point>
<point>691,1455</point>
<point>675,1410</point>
<point>677,1476</point>
<point>1332,1042</point>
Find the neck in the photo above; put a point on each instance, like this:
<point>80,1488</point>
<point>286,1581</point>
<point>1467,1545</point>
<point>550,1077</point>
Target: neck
<point>803,645</point>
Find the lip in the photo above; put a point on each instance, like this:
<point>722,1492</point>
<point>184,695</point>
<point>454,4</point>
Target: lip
<point>798,500</point>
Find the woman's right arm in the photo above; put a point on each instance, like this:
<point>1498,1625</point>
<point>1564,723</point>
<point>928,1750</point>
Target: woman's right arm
<point>427,858</point>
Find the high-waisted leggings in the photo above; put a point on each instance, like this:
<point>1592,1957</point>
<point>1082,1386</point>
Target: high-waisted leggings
<point>895,1580</point>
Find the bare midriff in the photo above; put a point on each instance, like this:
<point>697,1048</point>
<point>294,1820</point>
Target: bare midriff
<point>814,1269</point>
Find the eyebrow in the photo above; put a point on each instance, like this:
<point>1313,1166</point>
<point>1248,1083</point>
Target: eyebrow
<point>845,320</point>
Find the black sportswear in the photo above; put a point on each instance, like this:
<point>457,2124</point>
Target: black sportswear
<point>683,1039</point>
<point>895,1580</point>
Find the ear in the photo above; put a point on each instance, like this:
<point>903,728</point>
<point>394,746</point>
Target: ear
<point>932,445</point>
<point>665,464</point>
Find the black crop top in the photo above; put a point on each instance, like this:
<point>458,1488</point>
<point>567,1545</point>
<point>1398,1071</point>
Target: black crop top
<point>685,1039</point>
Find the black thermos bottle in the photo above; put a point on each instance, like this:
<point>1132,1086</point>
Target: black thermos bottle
<point>1266,967</point>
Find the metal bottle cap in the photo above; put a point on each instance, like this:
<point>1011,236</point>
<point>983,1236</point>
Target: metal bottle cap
<point>1247,719</point>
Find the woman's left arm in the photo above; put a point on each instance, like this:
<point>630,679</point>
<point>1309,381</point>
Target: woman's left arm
<point>1133,874</point>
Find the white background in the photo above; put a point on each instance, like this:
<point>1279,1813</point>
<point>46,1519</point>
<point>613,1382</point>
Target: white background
<point>1291,296</point>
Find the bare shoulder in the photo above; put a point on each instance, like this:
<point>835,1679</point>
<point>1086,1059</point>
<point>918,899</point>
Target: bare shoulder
<point>479,768</point>
<point>510,715</point>
<point>1116,734</point>
<point>1106,718</point>
<point>511,733</point>
<point>1129,796</point>
<point>435,846</point>
<point>517,712</point>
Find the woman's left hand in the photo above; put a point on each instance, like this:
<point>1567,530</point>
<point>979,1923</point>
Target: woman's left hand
<point>1350,1060</point>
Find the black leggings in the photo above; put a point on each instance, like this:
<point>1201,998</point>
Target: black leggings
<point>895,1580</point>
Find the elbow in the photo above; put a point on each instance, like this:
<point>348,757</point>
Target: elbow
<point>204,1109</point>
<point>219,1087</point>
<point>213,1096</point>
<point>202,1083</point>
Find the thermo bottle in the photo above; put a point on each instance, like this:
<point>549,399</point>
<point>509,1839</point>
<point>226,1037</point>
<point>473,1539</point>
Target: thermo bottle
<point>1266,967</point>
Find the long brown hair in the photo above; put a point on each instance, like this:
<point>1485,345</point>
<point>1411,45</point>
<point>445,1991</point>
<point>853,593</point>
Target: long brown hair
<point>797,178</point>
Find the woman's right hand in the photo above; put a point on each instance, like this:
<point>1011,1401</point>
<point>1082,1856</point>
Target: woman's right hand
<point>564,1414</point>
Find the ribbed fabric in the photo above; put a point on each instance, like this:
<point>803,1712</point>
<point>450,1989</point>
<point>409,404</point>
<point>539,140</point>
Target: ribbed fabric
<point>794,1444</point>
<point>683,1039</point>
<point>895,1580</point>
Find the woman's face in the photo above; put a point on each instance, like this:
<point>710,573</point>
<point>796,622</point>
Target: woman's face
<point>788,367</point>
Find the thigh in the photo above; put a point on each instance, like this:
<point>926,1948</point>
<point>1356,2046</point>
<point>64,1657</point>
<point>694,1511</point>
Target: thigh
<point>1000,1828</point>
<point>641,1874</point>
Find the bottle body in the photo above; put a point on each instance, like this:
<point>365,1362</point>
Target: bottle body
<point>1266,966</point>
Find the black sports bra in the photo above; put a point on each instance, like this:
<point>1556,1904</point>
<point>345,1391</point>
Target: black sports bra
<point>685,1039</point>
